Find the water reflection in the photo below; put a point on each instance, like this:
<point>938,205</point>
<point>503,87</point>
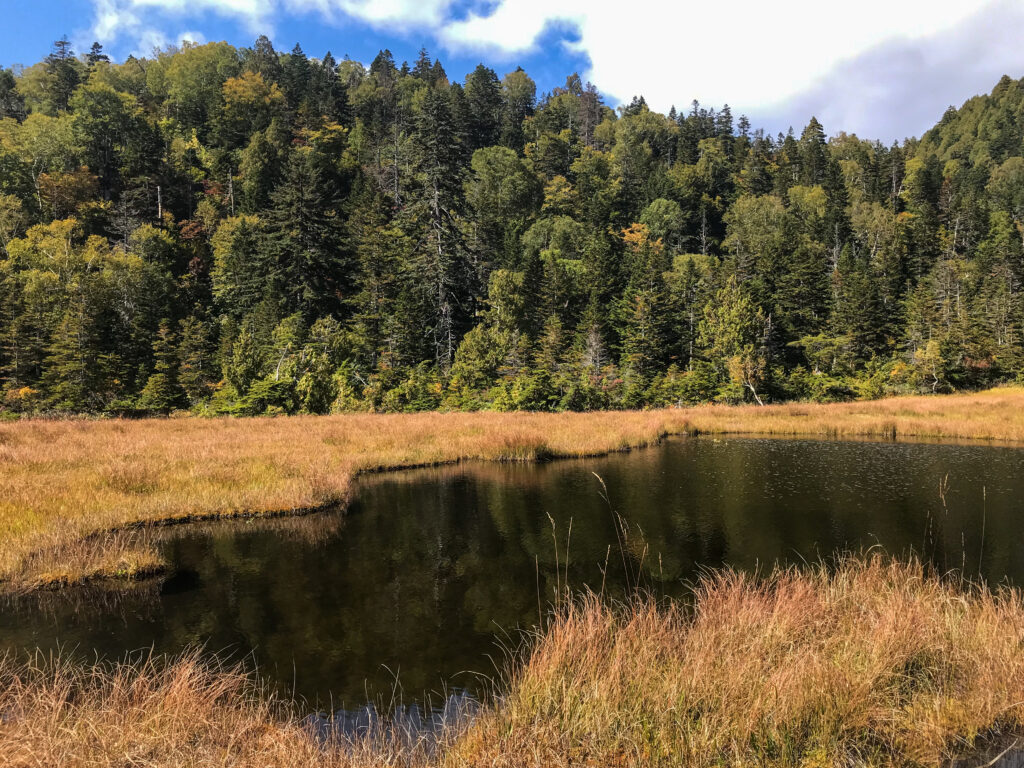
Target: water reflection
<point>430,573</point>
<point>405,727</point>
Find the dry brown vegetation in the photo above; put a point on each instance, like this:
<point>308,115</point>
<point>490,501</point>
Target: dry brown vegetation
<point>875,663</point>
<point>872,662</point>
<point>190,712</point>
<point>65,485</point>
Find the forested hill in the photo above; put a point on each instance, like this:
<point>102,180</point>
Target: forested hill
<point>246,231</point>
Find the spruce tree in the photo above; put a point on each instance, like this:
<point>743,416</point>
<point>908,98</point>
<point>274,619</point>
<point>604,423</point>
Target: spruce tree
<point>483,94</point>
<point>162,392</point>
<point>304,242</point>
<point>63,76</point>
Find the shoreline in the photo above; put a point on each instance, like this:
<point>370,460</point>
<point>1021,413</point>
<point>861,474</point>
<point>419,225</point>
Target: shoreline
<point>278,467</point>
<point>868,660</point>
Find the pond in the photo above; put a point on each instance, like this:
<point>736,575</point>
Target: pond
<point>427,579</point>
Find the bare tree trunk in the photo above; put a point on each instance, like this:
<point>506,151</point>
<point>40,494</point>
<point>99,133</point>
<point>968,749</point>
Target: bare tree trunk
<point>754,393</point>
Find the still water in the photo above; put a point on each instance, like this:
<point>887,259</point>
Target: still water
<point>424,580</point>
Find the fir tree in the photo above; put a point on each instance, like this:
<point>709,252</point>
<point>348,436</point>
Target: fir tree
<point>304,240</point>
<point>62,70</point>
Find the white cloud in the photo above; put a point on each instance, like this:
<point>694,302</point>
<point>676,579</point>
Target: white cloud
<point>253,13</point>
<point>115,18</point>
<point>752,54</point>
<point>901,89</point>
<point>111,17</point>
<point>512,27</point>
<point>192,36</point>
<point>748,52</point>
<point>403,14</point>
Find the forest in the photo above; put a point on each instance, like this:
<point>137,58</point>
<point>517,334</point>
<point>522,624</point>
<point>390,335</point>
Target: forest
<point>245,231</point>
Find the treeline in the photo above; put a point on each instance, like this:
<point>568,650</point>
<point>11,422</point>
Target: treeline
<point>245,231</point>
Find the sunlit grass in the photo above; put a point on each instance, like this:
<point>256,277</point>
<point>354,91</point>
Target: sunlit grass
<point>192,711</point>
<point>874,663</point>
<point>64,484</point>
<point>871,662</point>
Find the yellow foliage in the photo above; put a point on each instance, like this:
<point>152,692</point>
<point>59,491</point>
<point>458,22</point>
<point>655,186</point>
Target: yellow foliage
<point>637,237</point>
<point>249,90</point>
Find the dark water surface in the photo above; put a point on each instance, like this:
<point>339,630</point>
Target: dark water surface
<point>424,577</point>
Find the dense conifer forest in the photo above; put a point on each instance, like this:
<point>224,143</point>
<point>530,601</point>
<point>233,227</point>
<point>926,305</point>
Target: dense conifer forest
<point>245,231</point>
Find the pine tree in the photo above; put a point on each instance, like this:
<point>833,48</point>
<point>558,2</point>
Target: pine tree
<point>483,94</point>
<point>442,264</point>
<point>12,104</point>
<point>162,392</point>
<point>196,354</point>
<point>423,67</point>
<point>264,60</point>
<point>296,76</point>
<point>304,241</point>
<point>813,154</point>
<point>95,56</point>
<point>644,309</point>
<point>856,312</point>
<point>328,94</point>
<point>383,251</point>
<point>732,333</point>
<point>71,364</point>
<point>62,70</point>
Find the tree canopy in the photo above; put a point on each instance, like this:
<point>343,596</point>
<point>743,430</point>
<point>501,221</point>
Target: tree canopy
<point>252,231</point>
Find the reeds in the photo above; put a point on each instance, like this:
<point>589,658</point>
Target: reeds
<point>873,663</point>
<point>868,662</point>
<point>187,712</point>
<point>65,484</point>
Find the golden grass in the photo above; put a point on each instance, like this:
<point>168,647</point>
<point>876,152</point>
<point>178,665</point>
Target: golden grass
<point>873,662</point>
<point>65,484</point>
<point>191,712</point>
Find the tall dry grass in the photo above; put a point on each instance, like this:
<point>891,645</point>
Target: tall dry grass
<point>873,662</point>
<point>189,712</point>
<point>65,484</point>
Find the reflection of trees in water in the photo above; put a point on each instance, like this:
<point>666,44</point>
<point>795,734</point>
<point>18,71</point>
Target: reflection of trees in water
<point>751,503</point>
<point>428,567</point>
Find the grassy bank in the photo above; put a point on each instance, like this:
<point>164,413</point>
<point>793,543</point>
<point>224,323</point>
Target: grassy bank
<point>65,486</point>
<point>870,663</point>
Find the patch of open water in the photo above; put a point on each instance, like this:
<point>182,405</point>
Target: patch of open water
<point>422,585</point>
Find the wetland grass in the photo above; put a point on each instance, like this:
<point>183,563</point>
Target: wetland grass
<point>70,489</point>
<point>869,662</point>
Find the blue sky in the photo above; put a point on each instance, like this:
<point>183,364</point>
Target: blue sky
<point>31,28</point>
<point>881,68</point>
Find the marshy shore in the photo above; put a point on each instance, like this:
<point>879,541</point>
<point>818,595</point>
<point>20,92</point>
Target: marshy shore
<point>77,497</point>
<point>867,662</point>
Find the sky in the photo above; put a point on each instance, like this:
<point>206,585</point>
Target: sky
<point>884,69</point>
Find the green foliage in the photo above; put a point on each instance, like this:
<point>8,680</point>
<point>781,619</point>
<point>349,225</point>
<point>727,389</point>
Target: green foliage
<point>256,232</point>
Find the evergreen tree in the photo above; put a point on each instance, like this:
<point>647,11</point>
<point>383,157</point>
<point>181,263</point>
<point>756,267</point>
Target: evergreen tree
<point>63,75</point>
<point>304,239</point>
<point>245,231</point>
<point>96,56</point>
<point>644,308</point>
<point>442,264</point>
<point>483,95</point>
<point>813,154</point>
<point>857,311</point>
<point>12,104</point>
<point>732,335</point>
<point>263,60</point>
<point>196,354</point>
<point>519,95</point>
<point>296,77</point>
<point>162,392</point>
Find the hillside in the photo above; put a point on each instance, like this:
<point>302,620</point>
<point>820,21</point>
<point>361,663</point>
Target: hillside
<point>245,231</point>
